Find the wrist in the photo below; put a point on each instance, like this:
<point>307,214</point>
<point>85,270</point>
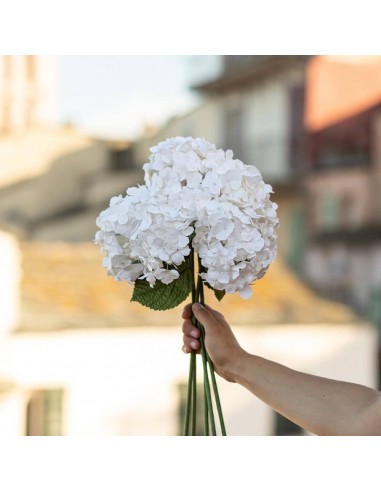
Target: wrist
<point>235,370</point>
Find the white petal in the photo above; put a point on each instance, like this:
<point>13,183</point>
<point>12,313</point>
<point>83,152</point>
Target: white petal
<point>245,293</point>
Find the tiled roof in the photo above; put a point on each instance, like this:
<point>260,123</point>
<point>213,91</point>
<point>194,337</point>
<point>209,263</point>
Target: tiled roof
<point>65,286</point>
<point>244,70</point>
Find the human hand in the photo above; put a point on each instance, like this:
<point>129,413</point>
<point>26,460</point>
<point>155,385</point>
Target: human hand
<point>220,342</point>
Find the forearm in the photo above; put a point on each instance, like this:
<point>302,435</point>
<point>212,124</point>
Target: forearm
<point>319,405</point>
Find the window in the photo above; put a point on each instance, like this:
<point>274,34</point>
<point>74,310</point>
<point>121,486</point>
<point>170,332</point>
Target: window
<point>374,306</point>
<point>297,239</point>
<point>343,210</point>
<point>296,149</point>
<point>233,130</point>
<point>44,413</point>
<point>121,159</point>
<point>345,144</point>
<point>350,211</point>
<point>284,427</point>
<point>328,213</point>
<point>182,390</point>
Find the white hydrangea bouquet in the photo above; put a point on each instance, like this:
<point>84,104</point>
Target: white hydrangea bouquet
<point>197,200</point>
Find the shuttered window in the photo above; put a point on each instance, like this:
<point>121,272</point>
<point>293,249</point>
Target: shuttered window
<point>44,413</point>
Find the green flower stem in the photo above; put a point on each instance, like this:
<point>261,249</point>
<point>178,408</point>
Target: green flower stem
<point>196,298</point>
<point>207,391</point>
<point>191,388</point>
<point>189,398</point>
<point>191,404</point>
<point>193,381</point>
<point>215,388</point>
<point>211,368</point>
<point>194,392</point>
<point>216,396</point>
<point>206,414</point>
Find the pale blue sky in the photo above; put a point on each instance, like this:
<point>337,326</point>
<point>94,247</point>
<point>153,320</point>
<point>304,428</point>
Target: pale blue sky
<point>113,96</point>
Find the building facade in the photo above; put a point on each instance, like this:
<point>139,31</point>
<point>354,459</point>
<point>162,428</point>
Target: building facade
<point>77,358</point>
<point>253,105</point>
<point>28,91</point>
<point>344,211</point>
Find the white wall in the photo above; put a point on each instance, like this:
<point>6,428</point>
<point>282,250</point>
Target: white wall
<point>124,381</point>
<point>266,127</point>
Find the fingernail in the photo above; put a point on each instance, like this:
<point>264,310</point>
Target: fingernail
<point>197,305</point>
<point>194,333</point>
<point>193,345</point>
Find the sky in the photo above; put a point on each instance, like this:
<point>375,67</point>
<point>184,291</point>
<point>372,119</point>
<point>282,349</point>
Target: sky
<point>114,96</point>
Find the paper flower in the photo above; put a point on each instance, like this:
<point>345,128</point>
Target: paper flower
<point>192,187</point>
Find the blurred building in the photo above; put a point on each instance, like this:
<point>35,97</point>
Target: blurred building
<point>261,102</point>
<point>343,181</point>
<point>28,91</point>
<point>53,179</point>
<point>253,105</point>
<point>203,68</point>
<point>76,357</point>
<point>73,179</point>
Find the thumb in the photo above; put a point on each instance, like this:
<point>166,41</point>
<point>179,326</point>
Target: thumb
<point>205,317</point>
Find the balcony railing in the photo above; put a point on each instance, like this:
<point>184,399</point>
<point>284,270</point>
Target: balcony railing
<point>337,160</point>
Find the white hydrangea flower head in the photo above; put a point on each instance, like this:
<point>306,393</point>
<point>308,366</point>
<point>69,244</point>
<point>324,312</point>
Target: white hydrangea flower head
<point>192,187</point>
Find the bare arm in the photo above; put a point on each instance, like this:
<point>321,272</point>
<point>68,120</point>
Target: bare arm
<point>320,405</point>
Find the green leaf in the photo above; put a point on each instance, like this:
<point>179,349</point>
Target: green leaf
<point>162,296</point>
<point>218,293</point>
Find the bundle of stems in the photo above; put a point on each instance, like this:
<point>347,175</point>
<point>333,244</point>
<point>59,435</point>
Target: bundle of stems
<point>208,372</point>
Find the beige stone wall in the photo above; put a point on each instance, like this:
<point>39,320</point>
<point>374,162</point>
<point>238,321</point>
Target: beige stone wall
<point>33,153</point>
<point>204,121</point>
<point>10,278</point>
<point>48,177</point>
